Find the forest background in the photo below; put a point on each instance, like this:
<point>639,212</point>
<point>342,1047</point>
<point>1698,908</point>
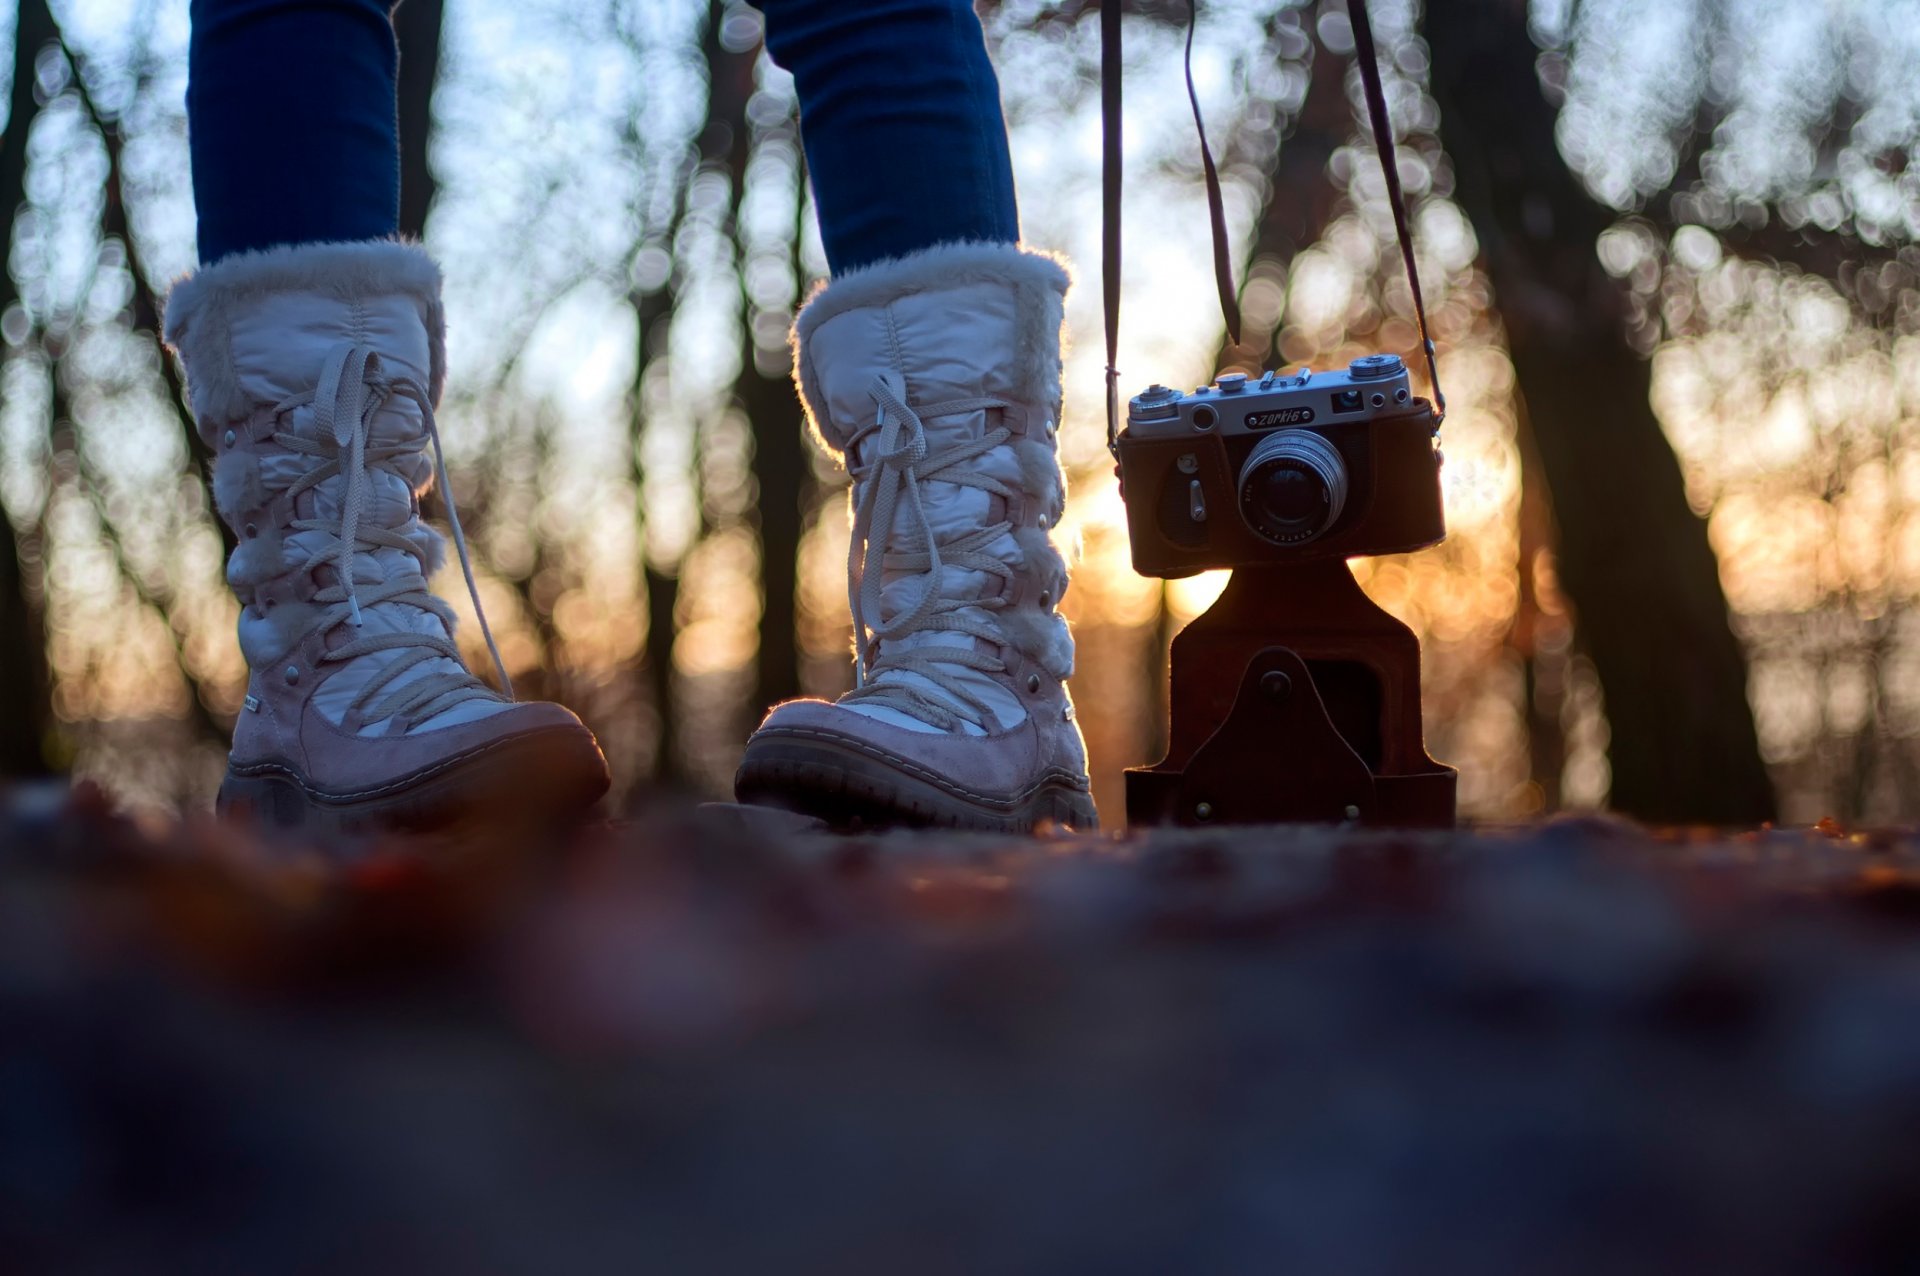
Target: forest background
<point>1669,246</point>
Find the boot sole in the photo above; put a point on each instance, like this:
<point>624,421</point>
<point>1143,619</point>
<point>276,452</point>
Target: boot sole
<point>534,776</point>
<point>852,791</point>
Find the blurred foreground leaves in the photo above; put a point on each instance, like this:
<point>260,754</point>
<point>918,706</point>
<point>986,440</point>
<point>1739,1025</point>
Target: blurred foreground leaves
<point>690,1043</point>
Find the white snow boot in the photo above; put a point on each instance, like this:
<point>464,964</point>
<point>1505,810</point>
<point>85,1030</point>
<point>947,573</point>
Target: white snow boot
<point>314,371</point>
<point>935,378</point>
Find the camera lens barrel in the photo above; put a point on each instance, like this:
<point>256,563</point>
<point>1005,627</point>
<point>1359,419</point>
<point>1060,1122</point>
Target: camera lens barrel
<point>1292,487</point>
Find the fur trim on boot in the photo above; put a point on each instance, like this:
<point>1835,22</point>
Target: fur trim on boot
<point>201,308</point>
<point>1039,281</point>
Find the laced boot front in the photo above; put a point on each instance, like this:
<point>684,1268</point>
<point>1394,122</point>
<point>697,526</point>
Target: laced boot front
<point>314,371</point>
<point>936,380</point>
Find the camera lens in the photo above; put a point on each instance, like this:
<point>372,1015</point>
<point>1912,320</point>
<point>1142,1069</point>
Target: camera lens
<point>1292,487</point>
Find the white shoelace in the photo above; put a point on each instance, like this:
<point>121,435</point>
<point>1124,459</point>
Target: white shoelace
<point>897,466</point>
<point>350,392</point>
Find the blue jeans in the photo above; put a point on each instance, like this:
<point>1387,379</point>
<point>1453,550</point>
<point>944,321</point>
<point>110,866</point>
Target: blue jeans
<point>900,117</point>
<point>291,123</point>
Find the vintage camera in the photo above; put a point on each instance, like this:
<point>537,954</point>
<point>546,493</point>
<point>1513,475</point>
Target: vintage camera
<point>1281,469</point>
<point>1293,697</point>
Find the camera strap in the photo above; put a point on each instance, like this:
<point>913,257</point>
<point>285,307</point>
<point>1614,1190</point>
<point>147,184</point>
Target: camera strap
<point>1110,207</point>
<point>1110,188</point>
<point>1111,185</point>
<point>1363,53</point>
<point>1216,209</point>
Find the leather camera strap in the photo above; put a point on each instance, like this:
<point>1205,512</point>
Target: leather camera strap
<point>1111,186</point>
<point>1364,54</point>
<point>1110,206</point>
<point>1216,210</point>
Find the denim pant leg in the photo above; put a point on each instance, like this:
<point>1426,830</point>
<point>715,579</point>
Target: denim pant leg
<point>291,122</point>
<point>900,117</point>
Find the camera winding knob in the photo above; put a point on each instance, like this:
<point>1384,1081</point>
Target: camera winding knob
<point>1156,403</point>
<point>1371,367</point>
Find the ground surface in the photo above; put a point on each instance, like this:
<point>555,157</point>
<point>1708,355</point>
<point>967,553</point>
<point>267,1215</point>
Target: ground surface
<point>692,1045</point>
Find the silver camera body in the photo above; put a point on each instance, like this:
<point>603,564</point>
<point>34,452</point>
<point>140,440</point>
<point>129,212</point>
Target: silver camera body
<point>1247,471</point>
<point>1369,386</point>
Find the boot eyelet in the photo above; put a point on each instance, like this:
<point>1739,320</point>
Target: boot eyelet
<point>293,675</point>
<point>250,531</point>
<point>1033,684</point>
<point>1046,598</point>
<point>232,438</point>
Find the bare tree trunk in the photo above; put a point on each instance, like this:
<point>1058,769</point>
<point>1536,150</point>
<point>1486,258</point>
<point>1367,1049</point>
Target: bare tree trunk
<point>24,710</point>
<point>663,597</point>
<point>417,24</point>
<point>25,685</point>
<point>1544,680</point>
<point>651,312</point>
<point>784,477</point>
<point>780,467</point>
<point>1633,556</point>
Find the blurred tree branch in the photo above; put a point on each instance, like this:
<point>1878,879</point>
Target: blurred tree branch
<point>1300,198</point>
<point>146,307</point>
<point>145,318</point>
<point>1756,232</point>
<point>159,600</point>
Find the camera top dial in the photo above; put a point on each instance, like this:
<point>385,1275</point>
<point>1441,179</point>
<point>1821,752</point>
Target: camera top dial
<point>1372,385</point>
